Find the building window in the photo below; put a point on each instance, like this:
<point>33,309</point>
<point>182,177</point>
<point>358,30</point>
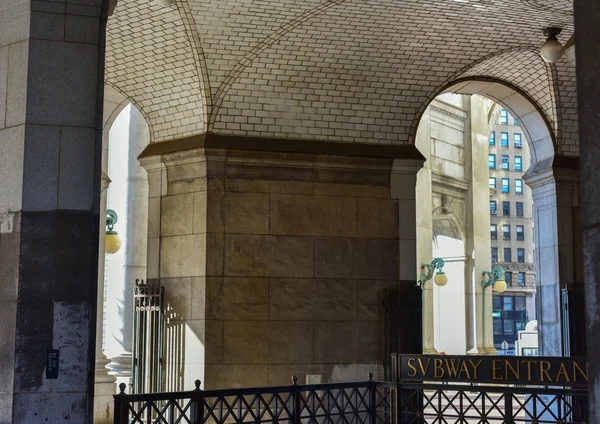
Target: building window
<point>507,254</point>
<point>518,163</point>
<point>521,279</point>
<point>510,316</point>
<point>505,163</point>
<point>509,327</point>
<point>508,278</point>
<point>503,117</point>
<point>518,186</point>
<point>520,233</point>
<point>494,254</point>
<point>493,138</point>
<point>504,139</point>
<point>505,185</point>
<point>520,209</point>
<point>506,232</point>
<point>492,161</point>
<point>493,209</point>
<point>506,208</point>
<point>492,181</point>
<point>521,256</point>
<point>494,231</point>
<point>498,326</point>
<point>515,122</point>
<point>518,143</point>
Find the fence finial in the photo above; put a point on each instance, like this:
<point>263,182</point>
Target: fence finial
<point>295,380</point>
<point>370,376</point>
<point>197,384</point>
<point>122,388</point>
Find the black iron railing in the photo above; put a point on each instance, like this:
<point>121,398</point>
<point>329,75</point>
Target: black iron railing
<point>362,402</point>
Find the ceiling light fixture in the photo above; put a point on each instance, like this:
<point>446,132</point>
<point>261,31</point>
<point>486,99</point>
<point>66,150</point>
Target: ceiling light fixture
<point>551,50</point>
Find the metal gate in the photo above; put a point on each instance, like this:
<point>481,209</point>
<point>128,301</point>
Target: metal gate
<point>148,330</point>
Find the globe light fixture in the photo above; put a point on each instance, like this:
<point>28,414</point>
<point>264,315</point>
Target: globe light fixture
<point>551,50</point>
<point>494,278</point>
<point>113,241</point>
<point>428,270</point>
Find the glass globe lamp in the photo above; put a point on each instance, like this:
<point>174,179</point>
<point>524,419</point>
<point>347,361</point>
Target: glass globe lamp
<point>441,279</point>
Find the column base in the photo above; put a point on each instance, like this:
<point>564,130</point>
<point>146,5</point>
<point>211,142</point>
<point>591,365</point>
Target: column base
<point>487,351</point>
<point>120,366</point>
<point>430,351</point>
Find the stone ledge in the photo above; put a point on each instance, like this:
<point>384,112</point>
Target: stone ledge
<point>281,145</point>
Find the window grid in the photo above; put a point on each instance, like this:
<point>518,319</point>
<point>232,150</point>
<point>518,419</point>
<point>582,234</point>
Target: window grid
<point>504,139</point>
<point>494,254</point>
<point>520,209</point>
<point>505,185</point>
<point>518,186</point>
<point>508,278</point>
<point>518,163</point>
<point>521,255</point>
<point>503,117</point>
<point>493,138</point>
<point>506,232</point>
<point>507,254</point>
<point>505,163</point>
<point>493,231</point>
<point>492,182</point>
<point>521,279</point>
<point>518,143</point>
<point>506,208</point>
<point>520,232</point>
<point>493,207</point>
<point>491,161</point>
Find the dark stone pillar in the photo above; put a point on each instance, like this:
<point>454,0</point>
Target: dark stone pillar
<point>587,50</point>
<point>51,73</point>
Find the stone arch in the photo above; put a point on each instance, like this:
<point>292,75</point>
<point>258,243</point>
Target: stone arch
<point>523,84</point>
<point>533,120</point>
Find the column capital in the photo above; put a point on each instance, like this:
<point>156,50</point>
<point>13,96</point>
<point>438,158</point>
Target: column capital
<point>560,168</point>
<point>104,181</point>
<point>407,166</point>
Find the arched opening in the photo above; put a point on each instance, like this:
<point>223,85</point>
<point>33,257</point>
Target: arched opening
<point>457,164</point>
<point>125,191</point>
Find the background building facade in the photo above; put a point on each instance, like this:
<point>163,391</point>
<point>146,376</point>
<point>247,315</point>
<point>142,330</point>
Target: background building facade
<point>511,228</point>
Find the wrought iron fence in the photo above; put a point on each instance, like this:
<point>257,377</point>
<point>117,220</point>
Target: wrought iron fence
<point>357,403</point>
<point>434,403</point>
<point>363,402</point>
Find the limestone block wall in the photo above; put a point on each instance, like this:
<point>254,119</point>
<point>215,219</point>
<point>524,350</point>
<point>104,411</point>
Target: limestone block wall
<point>276,263</point>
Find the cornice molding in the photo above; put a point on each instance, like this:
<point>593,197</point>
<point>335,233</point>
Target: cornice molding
<point>282,146</point>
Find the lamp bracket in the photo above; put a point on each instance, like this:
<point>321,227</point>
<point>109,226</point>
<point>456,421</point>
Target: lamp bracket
<point>490,277</point>
<point>552,32</point>
<point>111,219</point>
<point>429,270</point>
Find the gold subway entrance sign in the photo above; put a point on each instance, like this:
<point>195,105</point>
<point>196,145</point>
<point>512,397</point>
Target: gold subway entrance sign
<point>550,371</point>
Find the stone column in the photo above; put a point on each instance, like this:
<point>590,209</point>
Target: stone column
<point>51,73</point>
<point>271,261</point>
<point>588,90</point>
<point>478,244</point>
<point>557,255</point>
<point>104,384</point>
<point>424,222</point>
<point>128,196</point>
<point>404,184</point>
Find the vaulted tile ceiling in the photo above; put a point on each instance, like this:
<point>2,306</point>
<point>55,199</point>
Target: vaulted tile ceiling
<point>333,70</point>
